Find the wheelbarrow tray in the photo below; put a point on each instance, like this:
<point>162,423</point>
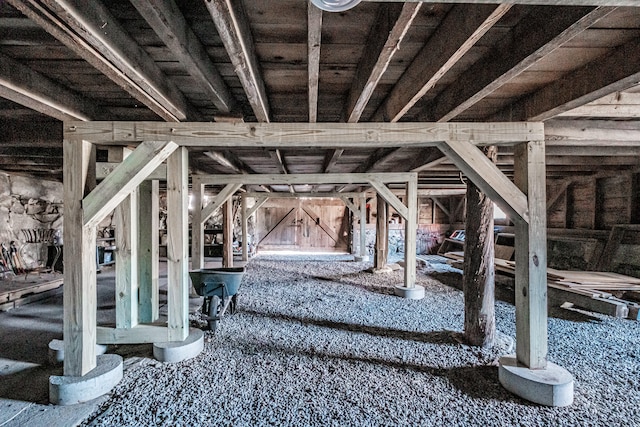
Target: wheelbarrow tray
<point>222,282</point>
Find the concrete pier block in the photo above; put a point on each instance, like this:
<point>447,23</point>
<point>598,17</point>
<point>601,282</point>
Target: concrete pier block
<point>416,292</point>
<point>552,386</point>
<point>69,390</point>
<point>56,351</point>
<point>177,351</point>
<point>364,258</point>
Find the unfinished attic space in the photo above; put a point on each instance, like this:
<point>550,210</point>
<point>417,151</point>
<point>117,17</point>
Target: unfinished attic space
<point>319,212</point>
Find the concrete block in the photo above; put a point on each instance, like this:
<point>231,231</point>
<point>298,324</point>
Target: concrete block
<point>56,351</point>
<point>69,390</point>
<point>552,386</point>
<point>177,351</point>
<point>416,292</point>
<point>364,258</point>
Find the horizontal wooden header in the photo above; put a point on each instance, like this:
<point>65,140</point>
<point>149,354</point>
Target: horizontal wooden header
<point>528,2</point>
<point>303,135</point>
<point>300,179</point>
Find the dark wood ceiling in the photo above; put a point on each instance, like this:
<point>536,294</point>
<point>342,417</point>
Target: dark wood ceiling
<point>575,67</point>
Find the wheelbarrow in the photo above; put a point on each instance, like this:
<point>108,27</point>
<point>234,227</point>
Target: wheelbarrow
<point>219,287</point>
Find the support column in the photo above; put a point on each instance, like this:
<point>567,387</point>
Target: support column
<point>528,374</point>
<point>197,227</point>
<point>245,232</point>
<point>410,289</point>
<point>227,233</point>
<point>80,299</point>
<point>126,220</point>
<point>382,236</point>
<point>148,243</point>
<point>363,255</point>
<point>177,253</point>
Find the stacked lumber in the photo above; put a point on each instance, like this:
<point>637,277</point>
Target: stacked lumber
<point>590,290</point>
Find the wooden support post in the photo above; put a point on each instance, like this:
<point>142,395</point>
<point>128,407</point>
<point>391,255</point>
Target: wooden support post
<point>80,299</point>
<point>364,253</point>
<point>479,266</point>
<point>410,235</point>
<point>227,233</point>
<point>126,221</point>
<point>197,227</point>
<point>382,236</point>
<point>177,253</point>
<point>245,231</point>
<point>531,258</point>
<point>126,224</point>
<point>148,241</point>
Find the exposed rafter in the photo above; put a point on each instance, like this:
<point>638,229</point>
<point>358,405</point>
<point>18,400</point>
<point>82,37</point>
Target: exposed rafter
<point>314,32</point>
<point>169,23</point>
<point>26,87</point>
<point>232,25</point>
<point>391,25</point>
<point>540,34</point>
<point>461,29</point>
<point>79,25</point>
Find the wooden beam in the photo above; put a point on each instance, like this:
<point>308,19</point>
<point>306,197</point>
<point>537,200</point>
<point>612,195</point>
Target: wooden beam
<point>127,284</point>
<point>331,158</point>
<point>486,175</point>
<point>305,135</point>
<point>233,28</point>
<point>79,25</point>
<point>321,223</point>
<point>616,71</point>
<point>177,241</point>
<point>441,206</point>
<point>531,259</point>
<point>384,192</point>
<point>227,231</point>
<point>245,228</point>
<point>148,240</point>
<point>323,195</point>
<point>139,334</point>
<point>16,135</point>
<point>349,204</point>
<point>460,30</point>
<point>80,298</point>
<point>382,238</point>
<point>379,156</point>
<point>299,179</point>
<point>591,133</point>
<point>105,168</point>
<point>623,105</point>
<point>362,204</point>
<point>533,2</point>
<point>124,179</point>
<point>314,36</point>
<point>228,191</point>
<point>167,21</point>
<point>259,202</point>
<point>529,42</point>
<point>387,33</point>
<point>31,89</point>
<point>410,233</point>
<point>197,227</point>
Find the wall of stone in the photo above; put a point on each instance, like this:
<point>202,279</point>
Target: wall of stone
<point>29,204</point>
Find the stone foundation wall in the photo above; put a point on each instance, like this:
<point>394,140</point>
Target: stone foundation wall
<point>428,238</point>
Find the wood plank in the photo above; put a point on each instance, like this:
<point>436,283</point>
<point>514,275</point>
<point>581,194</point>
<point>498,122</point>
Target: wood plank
<point>314,36</point>
<point>124,179</point>
<point>197,227</point>
<point>234,30</point>
<point>475,165</point>
<point>331,159</point>
<point>127,283</point>
<point>79,26</point>
<point>167,21</point>
<point>227,231</point>
<point>462,27</point>
<point>177,253</point>
<point>139,334</point>
<point>410,229</point>
<point>321,223</point>
<point>391,26</point>
<point>149,257</point>
<point>105,168</point>
<point>80,298</point>
<point>349,204</point>
<point>245,228</point>
<point>533,39</point>
<point>533,2</point>
<point>305,135</point>
<point>382,233</point>
<point>348,178</point>
<point>531,258</point>
<point>258,204</point>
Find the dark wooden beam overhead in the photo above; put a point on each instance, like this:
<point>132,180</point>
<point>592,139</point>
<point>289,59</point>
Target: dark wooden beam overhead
<point>314,33</point>
<point>616,71</point>
<point>461,29</point>
<point>391,25</point>
<point>17,133</point>
<point>167,21</point>
<point>79,25</point>
<point>26,87</point>
<point>233,28</point>
<point>542,32</point>
<point>331,158</point>
<point>533,2</point>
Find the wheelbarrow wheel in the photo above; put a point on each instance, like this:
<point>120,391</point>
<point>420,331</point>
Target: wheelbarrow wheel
<point>214,308</point>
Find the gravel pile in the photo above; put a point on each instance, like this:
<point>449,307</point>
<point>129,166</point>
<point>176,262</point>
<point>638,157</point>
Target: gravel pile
<point>317,341</point>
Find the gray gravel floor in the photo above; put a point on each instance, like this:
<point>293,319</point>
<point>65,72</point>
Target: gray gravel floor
<point>319,342</point>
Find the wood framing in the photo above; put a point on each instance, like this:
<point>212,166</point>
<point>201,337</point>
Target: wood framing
<point>148,241</point>
<point>307,135</point>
